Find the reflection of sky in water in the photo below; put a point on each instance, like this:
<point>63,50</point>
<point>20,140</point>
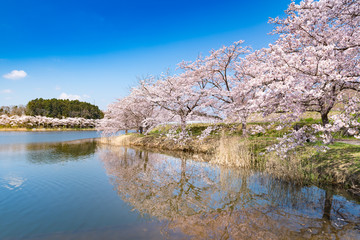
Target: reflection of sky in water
<point>34,137</point>
<point>58,189</point>
<point>79,190</point>
<point>12,182</point>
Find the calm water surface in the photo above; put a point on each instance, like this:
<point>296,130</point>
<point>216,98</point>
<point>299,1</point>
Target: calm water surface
<point>35,137</point>
<point>52,187</point>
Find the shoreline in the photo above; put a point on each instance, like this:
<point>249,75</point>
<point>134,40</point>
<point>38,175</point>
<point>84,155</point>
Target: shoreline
<point>323,169</point>
<point>44,129</point>
<point>161,143</point>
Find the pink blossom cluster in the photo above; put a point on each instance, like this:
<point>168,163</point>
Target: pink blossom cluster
<point>255,129</point>
<point>46,122</point>
<point>206,133</point>
<point>180,138</point>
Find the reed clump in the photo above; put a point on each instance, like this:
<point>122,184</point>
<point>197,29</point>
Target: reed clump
<point>234,151</point>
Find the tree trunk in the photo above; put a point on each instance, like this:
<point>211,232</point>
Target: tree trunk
<point>183,124</point>
<point>141,129</point>
<point>243,127</point>
<point>324,118</point>
<point>146,129</point>
<point>126,131</point>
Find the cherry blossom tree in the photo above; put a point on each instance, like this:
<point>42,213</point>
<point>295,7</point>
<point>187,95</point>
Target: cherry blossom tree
<point>226,86</point>
<point>316,57</point>
<point>309,68</point>
<point>312,65</point>
<point>131,112</point>
<point>181,95</point>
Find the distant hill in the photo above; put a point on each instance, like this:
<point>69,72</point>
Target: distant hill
<point>63,108</point>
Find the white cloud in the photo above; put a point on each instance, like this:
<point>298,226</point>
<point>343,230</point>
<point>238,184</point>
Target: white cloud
<point>6,91</point>
<point>15,74</point>
<point>85,96</point>
<point>13,182</point>
<point>69,96</point>
<point>57,88</point>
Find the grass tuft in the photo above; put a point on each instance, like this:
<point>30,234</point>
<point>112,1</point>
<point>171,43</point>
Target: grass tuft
<point>234,151</point>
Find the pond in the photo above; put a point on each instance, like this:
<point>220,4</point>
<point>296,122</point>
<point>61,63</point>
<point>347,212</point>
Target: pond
<point>65,186</point>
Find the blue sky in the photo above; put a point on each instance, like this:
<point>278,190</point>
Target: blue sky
<point>96,50</point>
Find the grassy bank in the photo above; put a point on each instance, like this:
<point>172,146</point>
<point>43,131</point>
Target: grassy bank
<point>161,142</point>
<point>15,129</point>
<point>340,165</point>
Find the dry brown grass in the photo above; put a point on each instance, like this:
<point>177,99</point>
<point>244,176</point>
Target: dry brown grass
<point>234,151</point>
<point>123,140</point>
<point>207,146</point>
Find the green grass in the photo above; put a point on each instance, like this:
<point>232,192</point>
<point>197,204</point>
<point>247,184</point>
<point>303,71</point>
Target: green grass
<point>341,163</point>
<point>197,128</point>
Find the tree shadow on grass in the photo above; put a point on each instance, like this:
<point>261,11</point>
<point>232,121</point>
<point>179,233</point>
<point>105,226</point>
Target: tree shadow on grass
<point>340,164</point>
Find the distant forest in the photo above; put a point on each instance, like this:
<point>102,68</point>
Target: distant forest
<point>63,108</point>
<point>56,108</point>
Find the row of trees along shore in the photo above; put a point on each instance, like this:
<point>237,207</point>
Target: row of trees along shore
<point>312,66</point>
<point>24,121</point>
<point>51,113</point>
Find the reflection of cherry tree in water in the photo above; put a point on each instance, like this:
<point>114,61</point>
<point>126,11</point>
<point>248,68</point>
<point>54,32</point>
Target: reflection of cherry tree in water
<point>154,184</point>
<point>314,211</point>
<point>206,202</point>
